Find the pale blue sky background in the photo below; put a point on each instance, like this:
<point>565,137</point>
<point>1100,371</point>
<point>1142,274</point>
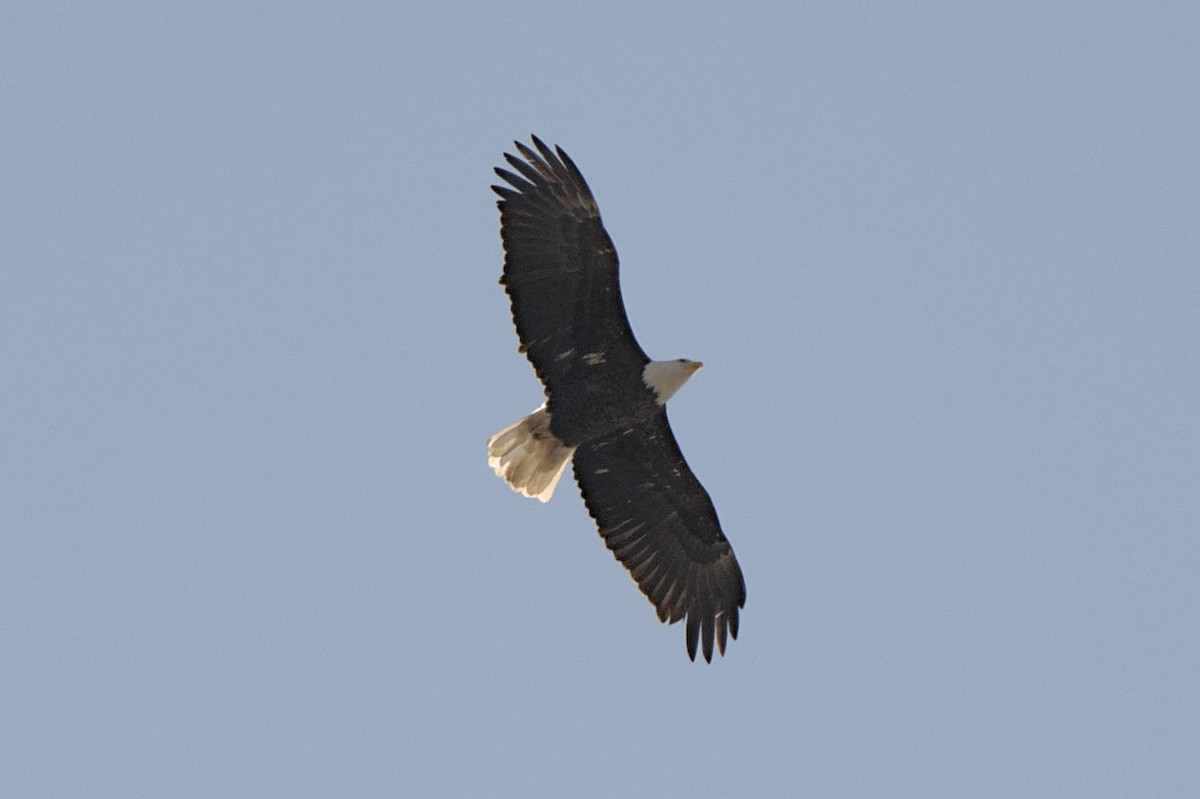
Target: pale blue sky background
<point>939,258</point>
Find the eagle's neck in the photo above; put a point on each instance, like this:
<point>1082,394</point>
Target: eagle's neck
<point>665,377</point>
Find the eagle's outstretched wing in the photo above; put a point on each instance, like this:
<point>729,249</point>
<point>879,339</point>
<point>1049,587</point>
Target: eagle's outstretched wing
<point>660,523</point>
<point>560,268</point>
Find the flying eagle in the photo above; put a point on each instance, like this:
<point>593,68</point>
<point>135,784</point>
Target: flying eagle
<point>605,403</point>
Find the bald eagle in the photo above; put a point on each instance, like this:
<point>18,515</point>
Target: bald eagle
<point>605,403</point>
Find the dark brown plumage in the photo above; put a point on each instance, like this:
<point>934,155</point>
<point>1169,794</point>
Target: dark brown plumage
<point>605,403</point>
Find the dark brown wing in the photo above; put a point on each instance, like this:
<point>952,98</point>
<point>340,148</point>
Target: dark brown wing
<point>560,268</point>
<point>660,523</point>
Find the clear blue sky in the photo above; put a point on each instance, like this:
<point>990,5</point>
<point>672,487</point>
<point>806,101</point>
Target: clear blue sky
<point>940,260</point>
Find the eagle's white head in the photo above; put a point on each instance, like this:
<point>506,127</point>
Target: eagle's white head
<point>665,377</point>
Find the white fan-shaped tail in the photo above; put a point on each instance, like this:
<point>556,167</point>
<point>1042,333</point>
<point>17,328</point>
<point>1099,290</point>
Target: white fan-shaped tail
<point>528,456</point>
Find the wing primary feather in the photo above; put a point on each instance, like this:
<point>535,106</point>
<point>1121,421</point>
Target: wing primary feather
<point>707,624</point>
<point>528,172</point>
<point>537,142</point>
<point>707,614</point>
<point>546,152</point>
<point>534,159</point>
<point>570,165</point>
